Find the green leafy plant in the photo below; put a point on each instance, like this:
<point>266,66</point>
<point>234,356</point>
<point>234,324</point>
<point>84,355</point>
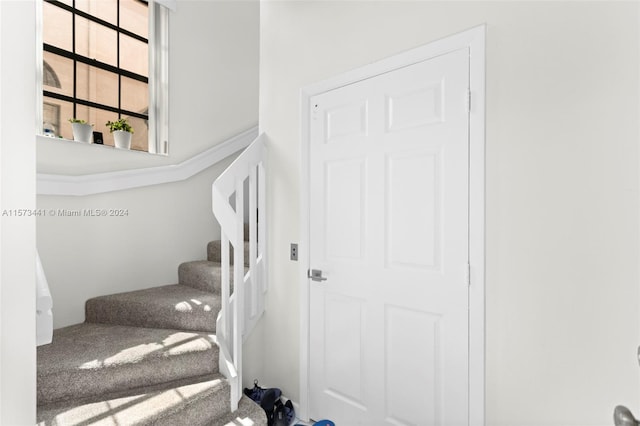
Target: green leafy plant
<point>119,124</point>
<point>77,120</point>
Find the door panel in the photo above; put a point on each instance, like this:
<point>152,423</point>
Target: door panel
<point>389,230</point>
<point>419,107</point>
<point>412,396</point>
<point>345,319</point>
<point>412,219</point>
<point>344,183</point>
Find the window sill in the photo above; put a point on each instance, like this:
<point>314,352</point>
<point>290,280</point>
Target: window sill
<point>41,138</point>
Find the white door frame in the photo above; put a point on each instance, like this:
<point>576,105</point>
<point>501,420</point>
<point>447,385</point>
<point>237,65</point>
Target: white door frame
<point>474,40</point>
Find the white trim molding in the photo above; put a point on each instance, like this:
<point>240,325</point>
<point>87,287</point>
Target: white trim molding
<point>52,184</point>
<point>474,40</point>
<point>169,4</point>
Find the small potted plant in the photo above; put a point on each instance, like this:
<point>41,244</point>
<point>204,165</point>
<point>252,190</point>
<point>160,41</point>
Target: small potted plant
<point>122,132</point>
<point>82,131</point>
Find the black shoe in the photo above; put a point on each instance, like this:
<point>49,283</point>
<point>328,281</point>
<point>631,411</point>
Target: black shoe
<point>279,416</point>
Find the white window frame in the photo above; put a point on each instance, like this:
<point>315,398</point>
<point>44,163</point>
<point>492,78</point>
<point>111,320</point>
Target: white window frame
<point>158,74</point>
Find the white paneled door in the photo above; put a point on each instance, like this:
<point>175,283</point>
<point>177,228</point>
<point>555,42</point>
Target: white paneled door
<point>389,208</point>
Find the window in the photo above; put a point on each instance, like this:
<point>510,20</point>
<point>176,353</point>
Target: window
<point>104,60</point>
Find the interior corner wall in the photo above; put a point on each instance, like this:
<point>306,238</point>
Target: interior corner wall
<point>17,233</point>
<point>562,184</point>
<point>159,227</point>
<point>213,96</point>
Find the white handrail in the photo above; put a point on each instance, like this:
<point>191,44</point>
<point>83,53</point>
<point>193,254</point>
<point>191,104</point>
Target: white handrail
<point>242,307</point>
<point>44,304</point>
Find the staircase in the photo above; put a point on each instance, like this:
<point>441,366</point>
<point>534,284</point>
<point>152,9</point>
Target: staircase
<point>171,355</point>
<point>144,357</point>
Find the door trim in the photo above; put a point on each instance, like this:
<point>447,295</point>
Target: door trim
<point>474,40</point>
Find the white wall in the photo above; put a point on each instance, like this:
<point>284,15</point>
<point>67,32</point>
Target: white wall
<point>17,249</point>
<point>213,95</point>
<point>562,187</point>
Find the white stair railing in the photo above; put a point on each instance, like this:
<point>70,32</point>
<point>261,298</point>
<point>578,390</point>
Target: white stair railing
<point>44,305</point>
<point>242,305</point>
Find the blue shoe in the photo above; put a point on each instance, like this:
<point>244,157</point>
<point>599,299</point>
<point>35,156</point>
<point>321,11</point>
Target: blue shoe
<point>255,393</point>
<point>289,412</point>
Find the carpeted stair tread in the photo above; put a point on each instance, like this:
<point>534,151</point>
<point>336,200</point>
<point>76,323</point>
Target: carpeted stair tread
<point>214,252</point>
<point>88,359</point>
<point>248,413</point>
<point>144,357</point>
<point>201,403</point>
<point>175,306</point>
<point>203,275</point>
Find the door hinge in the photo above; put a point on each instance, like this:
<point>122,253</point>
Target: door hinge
<point>468,100</point>
<point>467,274</point>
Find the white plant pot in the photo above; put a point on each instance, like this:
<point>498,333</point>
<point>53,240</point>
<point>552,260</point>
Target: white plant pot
<point>122,139</point>
<point>82,132</point>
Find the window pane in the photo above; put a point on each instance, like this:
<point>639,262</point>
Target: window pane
<point>82,112</point>
<point>99,118</point>
<point>106,10</point>
<point>57,26</point>
<point>97,85</point>
<point>134,16</point>
<point>140,138</point>
<point>134,55</point>
<point>96,41</point>
<point>135,95</point>
<point>55,114</point>
<point>58,74</point>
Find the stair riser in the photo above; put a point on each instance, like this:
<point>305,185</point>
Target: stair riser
<point>101,313</point>
<point>174,307</point>
<point>196,404</point>
<point>201,412</point>
<point>214,252</point>
<point>83,384</point>
<point>202,275</point>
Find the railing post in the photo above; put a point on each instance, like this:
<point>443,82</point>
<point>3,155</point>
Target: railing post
<point>253,239</point>
<point>224,286</point>
<point>262,218</point>
<point>238,283</point>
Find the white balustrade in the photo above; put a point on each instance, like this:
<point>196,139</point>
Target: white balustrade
<point>242,306</point>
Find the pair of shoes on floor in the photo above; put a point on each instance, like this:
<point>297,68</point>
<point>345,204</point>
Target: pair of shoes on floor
<point>268,399</point>
<point>284,414</point>
<point>258,394</point>
<point>278,414</point>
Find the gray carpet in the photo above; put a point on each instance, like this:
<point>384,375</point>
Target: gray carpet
<point>248,413</point>
<point>204,275</point>
<point>174,306</point>
<point>142,357</point>
<point>93,359</point>
<point>193,404</point>
<point>214,252</point>
<point>202,403</point>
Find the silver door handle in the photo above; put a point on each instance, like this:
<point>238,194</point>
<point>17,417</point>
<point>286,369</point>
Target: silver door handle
<point>316,275</point>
